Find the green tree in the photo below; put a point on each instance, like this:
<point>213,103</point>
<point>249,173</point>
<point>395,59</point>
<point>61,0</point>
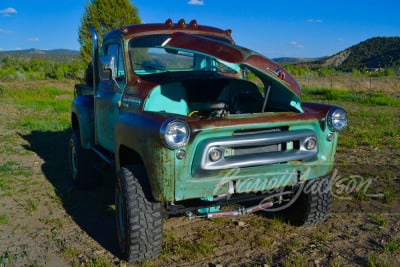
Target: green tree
<point>104,15</point>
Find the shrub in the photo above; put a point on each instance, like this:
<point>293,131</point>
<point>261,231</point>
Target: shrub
<point>39,69</point>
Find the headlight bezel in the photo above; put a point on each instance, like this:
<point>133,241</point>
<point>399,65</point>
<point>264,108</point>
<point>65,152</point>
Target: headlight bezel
<point>170,130</point>
<point>337,119</point>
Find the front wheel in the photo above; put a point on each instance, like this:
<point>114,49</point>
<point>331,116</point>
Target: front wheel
<point>139,220</point>
<point>312,205</point>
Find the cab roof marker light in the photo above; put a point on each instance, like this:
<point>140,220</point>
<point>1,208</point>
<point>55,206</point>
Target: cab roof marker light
<point>193,22</point>
<point>169,22</point>
<point>228,31</point>
<point>182,22</point>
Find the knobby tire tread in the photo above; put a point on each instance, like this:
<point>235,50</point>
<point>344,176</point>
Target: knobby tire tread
<point>144,232</point>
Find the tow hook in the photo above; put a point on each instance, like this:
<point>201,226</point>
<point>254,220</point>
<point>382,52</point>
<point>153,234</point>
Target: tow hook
<point>233,213</point>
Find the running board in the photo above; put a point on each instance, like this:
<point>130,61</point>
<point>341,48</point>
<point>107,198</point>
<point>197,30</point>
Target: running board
<point>104,157</point>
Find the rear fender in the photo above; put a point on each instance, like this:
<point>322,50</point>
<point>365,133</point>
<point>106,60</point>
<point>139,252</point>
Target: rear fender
<point>83,119</point>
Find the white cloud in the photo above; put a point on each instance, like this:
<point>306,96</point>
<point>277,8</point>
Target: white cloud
<point>296,44</point>
<point>314,20</point>
<point>33,39</point>
<point>2,31</point>
<point>8,11</point>
<point>196,2</point>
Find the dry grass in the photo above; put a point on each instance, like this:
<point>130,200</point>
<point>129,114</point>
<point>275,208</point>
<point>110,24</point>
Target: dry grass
<point>389,85</point>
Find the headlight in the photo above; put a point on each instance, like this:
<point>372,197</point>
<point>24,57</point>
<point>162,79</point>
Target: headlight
<point>174,133</point>
<point>337,119</point>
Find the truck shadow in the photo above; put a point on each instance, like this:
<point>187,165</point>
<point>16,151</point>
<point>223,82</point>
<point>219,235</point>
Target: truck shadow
<point>91,210</point>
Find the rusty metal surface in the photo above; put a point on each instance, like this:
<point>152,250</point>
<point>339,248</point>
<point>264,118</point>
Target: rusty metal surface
<point>208,46</point>
<point>139,131</point>
<point>313,111</point>
<point>167,28</point>
<point>127,125</point>
<point>172,179</point>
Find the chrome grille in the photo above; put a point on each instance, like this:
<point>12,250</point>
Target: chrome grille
<point>255,150</point>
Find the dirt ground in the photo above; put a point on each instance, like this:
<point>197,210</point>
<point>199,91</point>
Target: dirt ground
<point>45,221</point>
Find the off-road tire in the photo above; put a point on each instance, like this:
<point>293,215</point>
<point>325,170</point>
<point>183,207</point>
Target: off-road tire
<point>312,205</point>
<point>139,219</point>
<point>84,175</point>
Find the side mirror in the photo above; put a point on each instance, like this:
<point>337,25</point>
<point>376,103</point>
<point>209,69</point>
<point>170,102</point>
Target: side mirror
<point>107,70</point>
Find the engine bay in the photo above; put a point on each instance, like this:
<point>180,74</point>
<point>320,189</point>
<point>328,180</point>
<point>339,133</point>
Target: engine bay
<point>214,97</point>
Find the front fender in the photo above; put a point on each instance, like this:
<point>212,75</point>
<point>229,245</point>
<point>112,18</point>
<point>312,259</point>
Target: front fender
<point>140,132</point>
<point>83,119</point>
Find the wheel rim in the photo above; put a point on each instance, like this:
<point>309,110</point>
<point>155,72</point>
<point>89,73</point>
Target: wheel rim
<point>74,162</point>
<point>121,218</point>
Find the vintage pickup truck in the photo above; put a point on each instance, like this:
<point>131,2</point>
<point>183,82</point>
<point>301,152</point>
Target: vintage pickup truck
<point>194,124</point>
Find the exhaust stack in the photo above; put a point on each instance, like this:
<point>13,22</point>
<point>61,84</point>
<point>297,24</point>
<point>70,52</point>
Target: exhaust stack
<point>95,56</point>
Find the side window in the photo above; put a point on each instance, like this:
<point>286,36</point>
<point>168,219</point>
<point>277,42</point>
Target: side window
<point>115,51</point>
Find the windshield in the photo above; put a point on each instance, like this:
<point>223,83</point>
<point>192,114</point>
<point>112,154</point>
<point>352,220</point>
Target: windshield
<point>147,56</point>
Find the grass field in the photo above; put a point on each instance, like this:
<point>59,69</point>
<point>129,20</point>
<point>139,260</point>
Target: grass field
<point>344,81</point>
<point>44,220</point>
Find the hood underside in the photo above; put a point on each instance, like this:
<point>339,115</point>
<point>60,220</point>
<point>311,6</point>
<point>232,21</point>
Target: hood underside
<point>271,73</point>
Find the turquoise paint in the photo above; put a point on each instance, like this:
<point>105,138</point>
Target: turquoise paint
<point>168,98</point>
<point>251,179</point>
<point>209,209</point>
<point>296,105</point>
<point>107,111</point>
<point>172,179</point>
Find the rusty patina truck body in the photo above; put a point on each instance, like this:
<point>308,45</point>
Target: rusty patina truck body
<point>192,122</point>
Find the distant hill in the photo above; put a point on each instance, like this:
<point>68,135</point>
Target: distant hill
<point>378,52</point>
<point>52,55</point>
<point>294,60</point>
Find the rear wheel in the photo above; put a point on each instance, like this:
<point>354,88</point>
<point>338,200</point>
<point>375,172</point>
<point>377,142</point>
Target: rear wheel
<point>139,220</point>
<point>313,204</point>
<point>83,173</point>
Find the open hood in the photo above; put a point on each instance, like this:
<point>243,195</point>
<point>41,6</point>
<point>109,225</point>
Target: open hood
<point>283,85</point>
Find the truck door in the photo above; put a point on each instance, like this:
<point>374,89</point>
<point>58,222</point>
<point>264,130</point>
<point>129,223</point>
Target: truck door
<point>107,99</point>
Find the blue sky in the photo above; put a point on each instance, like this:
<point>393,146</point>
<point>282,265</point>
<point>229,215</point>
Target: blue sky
<point>273,28</point>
